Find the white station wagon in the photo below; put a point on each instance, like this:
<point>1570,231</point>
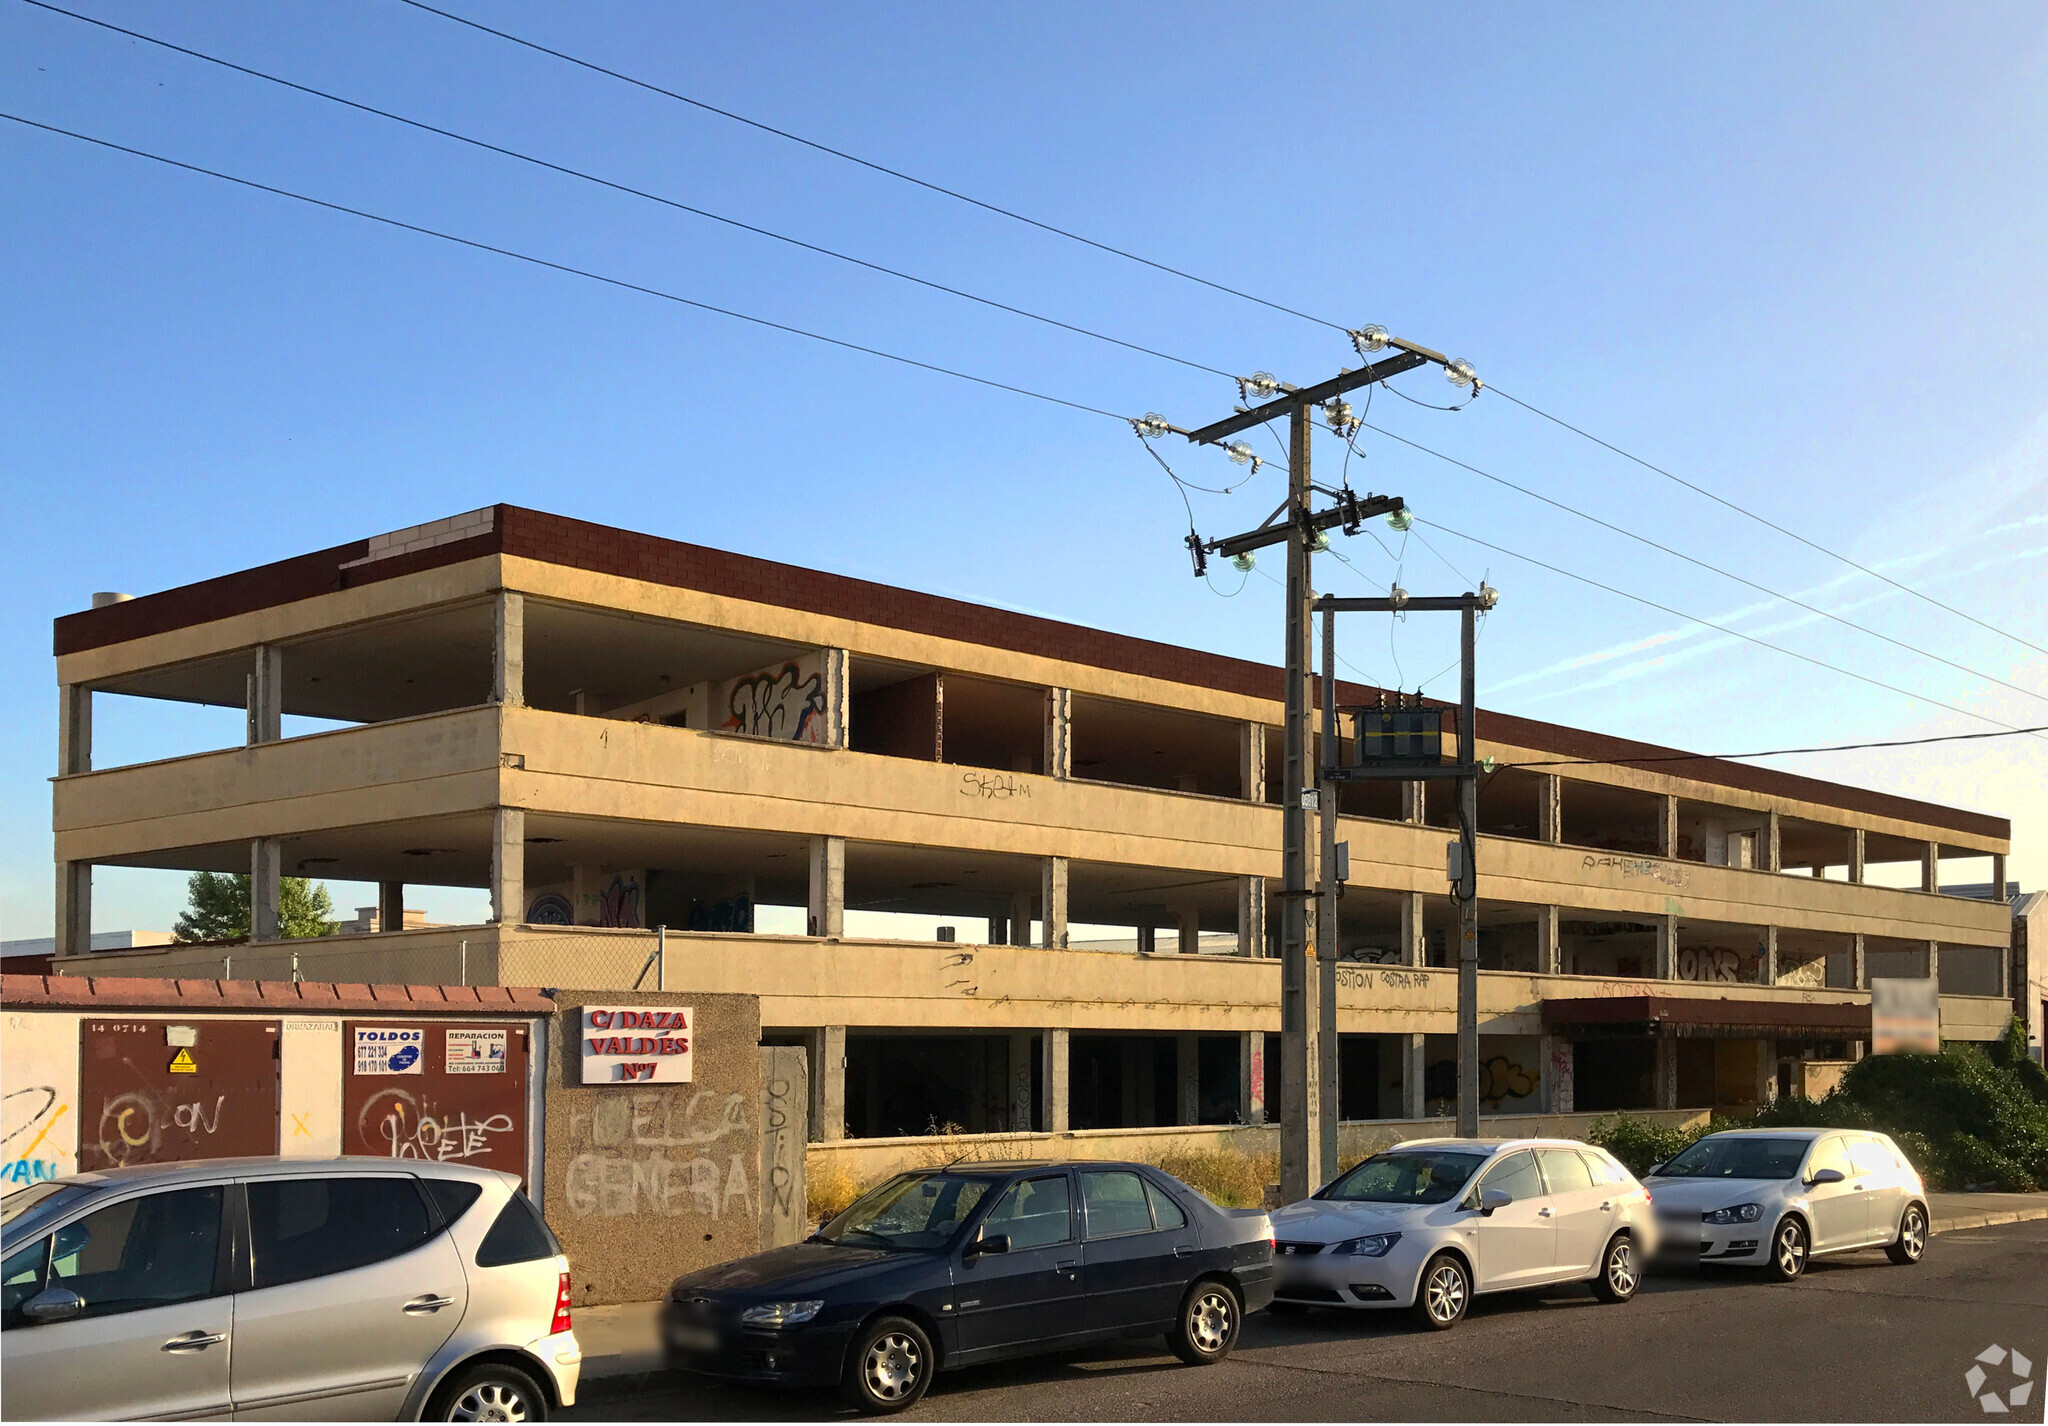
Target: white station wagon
<point>1431,1223</point>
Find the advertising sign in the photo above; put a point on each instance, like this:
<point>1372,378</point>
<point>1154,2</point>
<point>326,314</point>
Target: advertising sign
<point>1905,1017</point>
<point>646,1044</point>
<point>390,1049</point>
<point>476,1051</point>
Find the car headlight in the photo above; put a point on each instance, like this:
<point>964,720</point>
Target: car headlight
<point>1740,1213</point>
<point>780,1314</point>
<point>1375,1246</point>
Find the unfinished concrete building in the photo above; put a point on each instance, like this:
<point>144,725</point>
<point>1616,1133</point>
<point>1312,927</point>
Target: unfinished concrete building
<point>615,733</point>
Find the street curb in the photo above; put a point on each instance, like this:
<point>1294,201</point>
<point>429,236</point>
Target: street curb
<point>1987,1220</point>
<point>624,1384</point>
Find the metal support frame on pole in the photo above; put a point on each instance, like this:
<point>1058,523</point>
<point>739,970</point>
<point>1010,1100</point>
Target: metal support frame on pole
<point>1465,770</point>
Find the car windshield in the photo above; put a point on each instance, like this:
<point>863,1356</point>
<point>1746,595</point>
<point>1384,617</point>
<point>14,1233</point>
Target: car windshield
<point>1411,1176</point>
<point>1737,1158</point>
<point>24,1211</point>
<point>914,1212</point>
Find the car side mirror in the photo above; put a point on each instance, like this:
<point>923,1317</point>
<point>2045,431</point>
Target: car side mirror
<point>1492,1198</point>
<point>999,1243</point>
<point>1654,1167</point>
<point>53,1304</point>
<point>1825,1176</point>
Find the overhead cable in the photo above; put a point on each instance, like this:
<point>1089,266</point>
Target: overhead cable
<point>553,266</point>
<point>628,189</point>
<point>1703,564</point>
<point>1722,628</point>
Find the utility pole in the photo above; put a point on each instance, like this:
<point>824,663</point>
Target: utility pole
<point>1417,758</point>
<point>1308,1033</point>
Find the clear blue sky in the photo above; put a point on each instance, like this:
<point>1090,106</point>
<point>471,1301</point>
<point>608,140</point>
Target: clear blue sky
<point>1794,254</point>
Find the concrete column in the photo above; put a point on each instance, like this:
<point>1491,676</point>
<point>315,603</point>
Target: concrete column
<point>1934,964</point>
<point>1666,1073</point>
<point>1930,867</point>
<point>1251,761</point>
<point>74,909</point>
<point>1020,1081</point>
<point>74,729</point>
<point>1856,854</point>
<point>1187,1077</point>
<point>1251,1076</point>
<point>1768,972</point>
<point>1189,922</point>
<point>827,1047</point>
<point>1052,1046</point>
<point>826,914</point>
<point>1550,808</point>
<point>1858,979</point>
<point>1059,732</point>
<point>1053,896</point>
<point>835,670</point>
<point>266,696</point>
<point>1020,918</point>
<point>1667,827</point>
<point>508,865</point>
<point>1251,916</point>
<point>390,906</point>
<point>1665,966</point>
<point>1556,1087</point>
<point>1148,940</point>
<point>1414,801</point>
<point>508,650</point>
<point>1549,949</point>
<point>1998,876</point>
<point>1774,843</point>
<point>1414,944</point>
<point>265,885</point>
<point>1414,1063</point>
<point>1766,1072</point>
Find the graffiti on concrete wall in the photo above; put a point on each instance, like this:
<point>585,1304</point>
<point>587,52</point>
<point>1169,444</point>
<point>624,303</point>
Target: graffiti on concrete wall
<point>786,703</point>
<point>664,1153</point>
<point>619,903</point>
<point>781,1179</point>
<point>736,914</point>
<point>550,908</point>
<point>1716,964</point>
<point>1562,1084</point>
<point>133,1124</point>
<point>1500,1078</point>
<point>26,1118</point>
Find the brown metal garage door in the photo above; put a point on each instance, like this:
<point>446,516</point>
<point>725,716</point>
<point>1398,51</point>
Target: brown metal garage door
<point>147,1099</point>
<point>461,1096</point>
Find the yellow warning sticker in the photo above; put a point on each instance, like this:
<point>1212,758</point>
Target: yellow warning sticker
<point>183,1063</point>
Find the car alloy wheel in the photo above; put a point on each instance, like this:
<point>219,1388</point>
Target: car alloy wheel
<point>893,1367</point>
<point>1788,1250</point>
<point>1445,1292</point>
<point>494,1394</point>
<point>1619,1276</point>
<point>1209,1320</point>
<point>1912,1237</point>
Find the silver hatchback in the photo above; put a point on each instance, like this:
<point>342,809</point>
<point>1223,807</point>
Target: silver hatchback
<point>283,1290</point>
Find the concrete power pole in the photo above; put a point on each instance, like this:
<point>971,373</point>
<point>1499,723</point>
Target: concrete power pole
<point>1308,1038</point>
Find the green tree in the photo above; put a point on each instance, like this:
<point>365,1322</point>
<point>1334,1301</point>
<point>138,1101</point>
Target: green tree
<point>217,908</point>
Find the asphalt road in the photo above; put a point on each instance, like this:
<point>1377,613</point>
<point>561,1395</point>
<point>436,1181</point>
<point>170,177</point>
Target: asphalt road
<point>1856,1340</point>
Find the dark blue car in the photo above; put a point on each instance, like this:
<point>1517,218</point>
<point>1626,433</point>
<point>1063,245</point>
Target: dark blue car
<point>975,1263</point>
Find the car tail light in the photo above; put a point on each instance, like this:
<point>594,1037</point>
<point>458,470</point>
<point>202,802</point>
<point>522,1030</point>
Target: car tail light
<point>561,1322</point>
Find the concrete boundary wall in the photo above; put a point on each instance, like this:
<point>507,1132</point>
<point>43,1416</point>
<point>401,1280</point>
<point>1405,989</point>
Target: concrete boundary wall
<point>868,1161</point>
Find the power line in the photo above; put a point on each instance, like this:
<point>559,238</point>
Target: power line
<point>1775,752</point>
<point>1185,275</point>
<point>1703,564</point>
<point>616,187</point>
<point>1722,628</point>
<point>566,268</point>
<point>869,164</point>
<point>1769,524</point>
